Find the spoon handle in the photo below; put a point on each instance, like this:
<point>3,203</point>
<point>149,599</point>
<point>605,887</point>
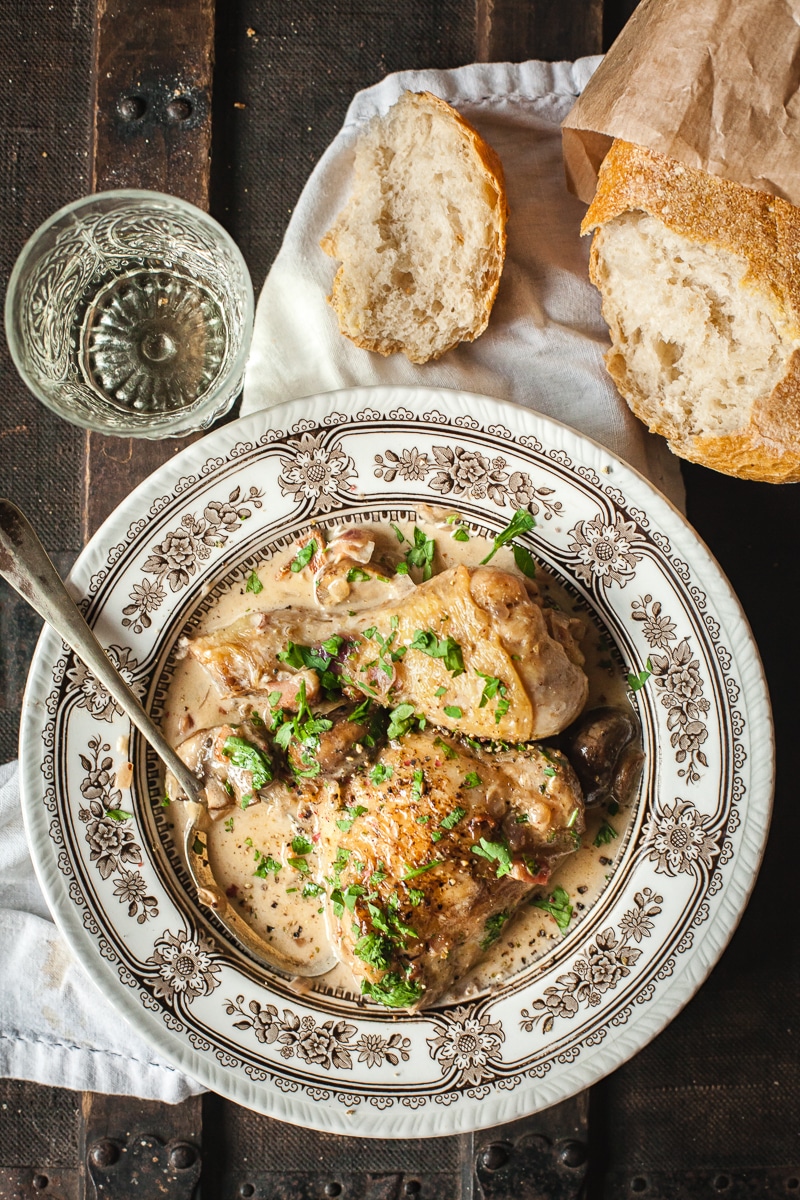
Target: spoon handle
<point>25,565</point>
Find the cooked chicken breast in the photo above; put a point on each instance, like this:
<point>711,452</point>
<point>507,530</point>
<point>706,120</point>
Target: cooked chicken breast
<point>429,852</point>
<point>469,650</point>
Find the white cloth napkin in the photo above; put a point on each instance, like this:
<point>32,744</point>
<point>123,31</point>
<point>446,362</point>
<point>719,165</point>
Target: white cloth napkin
<point>545,341</point>
<point>55,1026</point>
<point>543,348</point>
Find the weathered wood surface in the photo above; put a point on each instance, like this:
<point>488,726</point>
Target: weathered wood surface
<point>152,94</point>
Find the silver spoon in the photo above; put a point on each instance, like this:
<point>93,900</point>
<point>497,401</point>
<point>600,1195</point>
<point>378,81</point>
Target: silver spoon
<point>25,565</point>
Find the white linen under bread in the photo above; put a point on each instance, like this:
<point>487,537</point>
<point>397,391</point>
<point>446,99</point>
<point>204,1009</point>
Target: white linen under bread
<point>543,349</point>
<point>546,338</point>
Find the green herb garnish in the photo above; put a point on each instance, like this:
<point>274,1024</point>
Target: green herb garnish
<point>453,818</point>
<point>375,949</point>
<point>524,560</point>
<point>301,844</point>
<point>497,852</point>
<point>453,711</point>
<point>445,648</point>
<point>118,814</point>
<point>521,522</point>
<point>492,927</point>
<point>635,682</point>
<point>380,772</point>
<point>266,865</point>
<point>421,554</point>
<point>558,906</point>
<point>472,780</point>
<point>412,873</point>
<point>448,751</point>
<point>605,834</point>
<point>346,823</point>
<point>417,784</point>
<point>393,991</point>
<point>254,584</point>
<point>303,556</point>
<point>357,575</point>
<point>248,757</point>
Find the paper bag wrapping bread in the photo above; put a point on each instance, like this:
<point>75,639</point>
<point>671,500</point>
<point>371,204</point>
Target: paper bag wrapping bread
<point>696,247</point>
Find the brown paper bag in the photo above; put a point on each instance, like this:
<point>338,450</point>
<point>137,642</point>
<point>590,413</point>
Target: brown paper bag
<point>712,83</point>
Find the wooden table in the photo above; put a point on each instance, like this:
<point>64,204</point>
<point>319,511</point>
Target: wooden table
<point>108,93</point>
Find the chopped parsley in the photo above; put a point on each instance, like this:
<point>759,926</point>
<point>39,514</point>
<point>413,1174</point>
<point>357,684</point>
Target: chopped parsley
<point>357,575</point>
<point>521,522</point>
<point>266,865</point>
<point>313,889</point>
<point>380,772</point>
<point>453,817</point>
<point>198,846</point>
<point>497,852</point>
<point>635,682</point>
<point>445,648</point>
<point>346,823</point>
<point>300,864</point>
<point>461,535</point>
<point>492,927</point>
<point>605,834</point>
<point>440,691</point>
<point>412,873</point>
<point>421,554</point>
<point>298,657</point>
<point>453,711</point>
<point>345,898</point>
<point>397,532</point>
<point>254,584</point>
<point>448,751</point>
<point>417,784</point>
<point>375,949</point>
<point>472,780</point>
<point>524,560</point>
<point>301,844</point>
<point>415,896</point>
<point>118,814</point>
<point>333,645</point>
<point>229,825</point>
<point>491,688</point>
<point>361,711</point>
<point>400,720</point>
<point>393,991</point>
<point>558,906</point>
<point>247,756</point>
<point>303,556</point>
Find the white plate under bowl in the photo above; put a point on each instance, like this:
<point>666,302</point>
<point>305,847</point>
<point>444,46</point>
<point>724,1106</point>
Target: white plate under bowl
<point>620,973</point>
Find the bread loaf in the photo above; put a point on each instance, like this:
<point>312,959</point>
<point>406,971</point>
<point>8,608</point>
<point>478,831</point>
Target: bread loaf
<point>700,280</point>
<point>422,239</point>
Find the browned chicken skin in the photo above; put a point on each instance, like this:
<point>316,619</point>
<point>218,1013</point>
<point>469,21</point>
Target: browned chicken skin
<point>428,840</point>
<point>429,852</point>
<point>500,632</point>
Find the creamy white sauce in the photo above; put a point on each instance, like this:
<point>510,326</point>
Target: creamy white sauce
<point>241,841</point>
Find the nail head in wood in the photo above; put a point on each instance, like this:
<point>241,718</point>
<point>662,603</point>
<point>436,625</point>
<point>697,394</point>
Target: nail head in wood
<point>132,108</point>
<point>179,109</point>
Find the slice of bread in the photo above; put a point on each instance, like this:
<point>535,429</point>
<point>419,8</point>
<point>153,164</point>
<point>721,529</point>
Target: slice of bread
<point>700,279</point>
<point>423,237</point>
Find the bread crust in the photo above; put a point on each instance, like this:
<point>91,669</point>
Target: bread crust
<point>762,229</point>
<point>492,171</point>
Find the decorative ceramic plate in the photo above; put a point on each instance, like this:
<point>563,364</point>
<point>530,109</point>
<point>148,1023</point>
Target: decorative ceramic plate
<point>679,882</point>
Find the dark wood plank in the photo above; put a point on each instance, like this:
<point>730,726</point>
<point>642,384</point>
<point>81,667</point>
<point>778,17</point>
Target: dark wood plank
<point>153,68</point>
<point>514,30</point>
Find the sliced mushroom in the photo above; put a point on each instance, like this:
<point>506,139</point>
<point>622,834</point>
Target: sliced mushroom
<point>604,747</point>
